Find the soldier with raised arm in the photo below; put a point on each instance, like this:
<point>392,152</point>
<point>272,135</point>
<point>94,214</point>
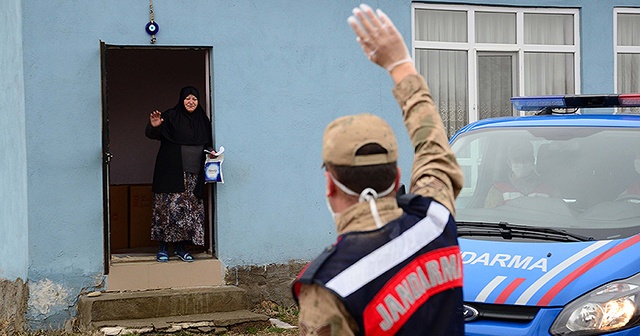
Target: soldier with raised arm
<point>395,268</point>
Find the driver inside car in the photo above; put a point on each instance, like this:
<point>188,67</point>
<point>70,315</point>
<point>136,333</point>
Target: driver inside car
<point>523,179</point>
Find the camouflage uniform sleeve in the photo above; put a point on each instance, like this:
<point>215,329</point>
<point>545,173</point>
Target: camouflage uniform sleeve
<point>435,171</point>
<point>323,314</point>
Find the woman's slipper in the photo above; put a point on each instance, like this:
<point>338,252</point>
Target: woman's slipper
<point>162,256</point>
<point>184,255</point>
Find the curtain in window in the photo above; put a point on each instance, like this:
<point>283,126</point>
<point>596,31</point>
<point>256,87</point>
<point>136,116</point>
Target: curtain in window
<point>495,84</point>
<point>628,64</point>
<point>495,27</point>
<point>446,74</point>
<point>441,25</point>
<point>628,73</point>
<point>548,74</point>
<point>629,78</point>
<point>629,29</point>
<point>447,70</point>
<point>549,29</point>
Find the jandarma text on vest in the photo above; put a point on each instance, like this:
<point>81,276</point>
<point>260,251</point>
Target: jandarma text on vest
<point>426,276</point>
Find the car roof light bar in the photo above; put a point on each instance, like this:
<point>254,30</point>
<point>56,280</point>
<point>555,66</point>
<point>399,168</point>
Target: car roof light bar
<point>629,100</point>
<point>537,103</point>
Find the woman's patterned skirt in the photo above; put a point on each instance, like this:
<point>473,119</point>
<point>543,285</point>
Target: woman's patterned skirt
<point>179,216</point>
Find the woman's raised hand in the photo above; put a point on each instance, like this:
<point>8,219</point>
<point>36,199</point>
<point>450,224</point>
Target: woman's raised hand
<point>155,118</point>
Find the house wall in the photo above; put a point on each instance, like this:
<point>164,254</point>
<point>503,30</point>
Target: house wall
<point>281,70</point>
<point>13,171</point>
<point>277,80</point>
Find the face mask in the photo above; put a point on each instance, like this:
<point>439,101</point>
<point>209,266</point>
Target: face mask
<point>334,215</point>
<point>367,195</point>
<point>521,170</point>
<point>636,163</point>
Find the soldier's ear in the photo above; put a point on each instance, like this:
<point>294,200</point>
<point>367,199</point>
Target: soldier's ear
<point>331,187</point>
<point>397,182</point>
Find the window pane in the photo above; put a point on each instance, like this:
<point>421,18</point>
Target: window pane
<point>446,74</point>
<point>628,73</point>
<point>628,79</point>
<point>548,73</point>
<point>496,27</point>
<point>554,29</point>
<point>469,154</point>
<point>629,29</point>
<point>495,85</point>
<point>441,25</point>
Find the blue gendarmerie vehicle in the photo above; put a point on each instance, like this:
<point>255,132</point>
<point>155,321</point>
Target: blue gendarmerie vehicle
<point>549,218</point>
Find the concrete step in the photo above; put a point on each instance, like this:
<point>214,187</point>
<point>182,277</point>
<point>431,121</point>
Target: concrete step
<point>143,273</point>
<point>218,306</point>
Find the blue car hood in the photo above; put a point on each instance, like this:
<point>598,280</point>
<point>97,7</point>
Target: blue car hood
<point>543,274</point>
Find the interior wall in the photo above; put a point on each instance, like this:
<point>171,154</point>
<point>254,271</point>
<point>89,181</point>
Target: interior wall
<point>139,82</point>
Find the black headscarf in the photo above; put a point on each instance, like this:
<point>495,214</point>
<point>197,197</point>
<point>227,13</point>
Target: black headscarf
<point>185,128</point>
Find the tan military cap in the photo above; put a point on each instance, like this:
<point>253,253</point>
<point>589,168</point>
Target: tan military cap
<point>345,135</point>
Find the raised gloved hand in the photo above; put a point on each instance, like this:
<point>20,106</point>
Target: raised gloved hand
<point>379,38</point>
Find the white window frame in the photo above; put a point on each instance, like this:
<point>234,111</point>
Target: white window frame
<point>621,49</point>
<point>519,47</point>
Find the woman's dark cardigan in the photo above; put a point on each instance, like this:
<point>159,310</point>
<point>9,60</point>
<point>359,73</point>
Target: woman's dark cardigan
<point>168,172</point>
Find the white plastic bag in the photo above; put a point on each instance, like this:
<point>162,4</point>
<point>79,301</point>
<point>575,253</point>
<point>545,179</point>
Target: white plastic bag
<point>213,167</point>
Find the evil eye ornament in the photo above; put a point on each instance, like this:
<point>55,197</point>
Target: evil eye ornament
<point>152,28</point>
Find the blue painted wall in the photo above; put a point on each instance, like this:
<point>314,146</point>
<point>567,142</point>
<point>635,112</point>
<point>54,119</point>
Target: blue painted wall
<point>279,80</point>
<point>13,156</point>
<point>281,70</point>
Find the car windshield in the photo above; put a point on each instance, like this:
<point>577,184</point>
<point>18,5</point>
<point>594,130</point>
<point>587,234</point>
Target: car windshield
<point>583,180</point>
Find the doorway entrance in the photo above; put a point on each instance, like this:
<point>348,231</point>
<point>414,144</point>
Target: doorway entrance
<point>135,82</point>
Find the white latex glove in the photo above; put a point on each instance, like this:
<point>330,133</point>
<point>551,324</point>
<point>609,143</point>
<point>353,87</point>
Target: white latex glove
<point>378,37</point>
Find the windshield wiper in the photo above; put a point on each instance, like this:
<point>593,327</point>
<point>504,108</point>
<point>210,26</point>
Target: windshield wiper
<point>510,231</point>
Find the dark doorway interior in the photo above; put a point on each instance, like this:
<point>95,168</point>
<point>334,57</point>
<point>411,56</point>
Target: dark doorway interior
<point>139,81</point>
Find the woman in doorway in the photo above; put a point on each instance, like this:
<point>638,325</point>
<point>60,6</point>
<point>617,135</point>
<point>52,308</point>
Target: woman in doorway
<point>184,132</point>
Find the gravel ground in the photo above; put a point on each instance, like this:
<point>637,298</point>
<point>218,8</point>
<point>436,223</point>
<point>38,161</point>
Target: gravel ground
<point>285,314</point>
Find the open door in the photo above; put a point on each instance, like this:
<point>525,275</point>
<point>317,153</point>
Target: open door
<point>137,80</point>
<point>106,157</point>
